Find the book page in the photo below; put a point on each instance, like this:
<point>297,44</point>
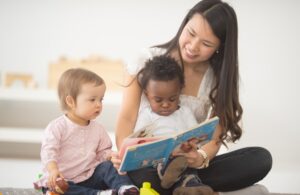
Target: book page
<point>148,151</point>
<point>146,155</point>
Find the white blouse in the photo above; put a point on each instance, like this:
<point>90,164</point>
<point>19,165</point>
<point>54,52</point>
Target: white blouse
<point>180,120</point>
<point>199,105</point>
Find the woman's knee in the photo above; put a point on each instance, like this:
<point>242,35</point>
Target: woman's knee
<point>265,159</point>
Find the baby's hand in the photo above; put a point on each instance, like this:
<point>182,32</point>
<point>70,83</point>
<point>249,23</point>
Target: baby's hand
<point>186,147</point>
<point>53,175</point>
<point>116,161</point>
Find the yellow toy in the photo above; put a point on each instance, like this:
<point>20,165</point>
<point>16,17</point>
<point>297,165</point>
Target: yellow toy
<point>147,190</point>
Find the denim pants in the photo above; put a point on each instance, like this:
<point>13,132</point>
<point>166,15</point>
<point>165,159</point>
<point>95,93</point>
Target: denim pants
<point>104,177</point>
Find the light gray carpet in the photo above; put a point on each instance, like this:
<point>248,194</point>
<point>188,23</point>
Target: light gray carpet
<point>21,191</point>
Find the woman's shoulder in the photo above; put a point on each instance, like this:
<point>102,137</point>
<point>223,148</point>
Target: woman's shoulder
<point>150,52</point>
<point>207,83</point>
<point>155,51</point>
<point>137,62</point>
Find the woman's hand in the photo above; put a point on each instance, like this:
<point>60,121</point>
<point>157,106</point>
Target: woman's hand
<point>194,159</point>
<point>116,161</point>
<point>189,150</point>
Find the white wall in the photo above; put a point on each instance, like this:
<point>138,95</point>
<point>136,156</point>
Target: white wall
<point>34,33</point>
<point>269,45</point>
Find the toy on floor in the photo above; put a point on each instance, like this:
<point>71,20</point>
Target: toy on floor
<point>51,193</point>
<point>60,188</point>
<point>147,190</point>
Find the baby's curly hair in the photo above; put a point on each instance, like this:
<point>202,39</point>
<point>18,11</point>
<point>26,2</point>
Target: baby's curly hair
<point>160,68</point>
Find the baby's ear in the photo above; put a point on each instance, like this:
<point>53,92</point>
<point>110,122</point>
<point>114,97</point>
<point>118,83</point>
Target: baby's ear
<point>70,101</point>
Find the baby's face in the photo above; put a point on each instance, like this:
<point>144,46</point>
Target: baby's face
<point>88,104</point>
<point>163,96</point>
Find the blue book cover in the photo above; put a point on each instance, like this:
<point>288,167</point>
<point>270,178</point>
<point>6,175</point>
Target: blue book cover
<point>147,152</point>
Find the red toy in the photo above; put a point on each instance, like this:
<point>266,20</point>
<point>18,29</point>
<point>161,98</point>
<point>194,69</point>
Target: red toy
<point>61,186</point>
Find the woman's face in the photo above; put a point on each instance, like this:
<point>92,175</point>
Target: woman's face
<point>197,41</point>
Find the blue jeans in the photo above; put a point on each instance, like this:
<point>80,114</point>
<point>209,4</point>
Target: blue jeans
<point>104,177</point>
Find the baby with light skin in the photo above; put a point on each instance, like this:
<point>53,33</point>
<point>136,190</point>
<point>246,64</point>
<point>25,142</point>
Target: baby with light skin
<point>76,148</point>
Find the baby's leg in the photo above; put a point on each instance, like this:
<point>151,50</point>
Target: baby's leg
<point>79,189</point>
<point>172,171</point>
<point>108,175</point>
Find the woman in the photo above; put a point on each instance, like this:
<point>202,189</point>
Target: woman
<point>206,47</point>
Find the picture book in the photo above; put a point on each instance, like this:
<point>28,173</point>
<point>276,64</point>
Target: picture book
<point>140,150</point>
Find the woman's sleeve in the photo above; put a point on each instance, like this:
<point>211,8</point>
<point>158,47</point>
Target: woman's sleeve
<point>134,64</point>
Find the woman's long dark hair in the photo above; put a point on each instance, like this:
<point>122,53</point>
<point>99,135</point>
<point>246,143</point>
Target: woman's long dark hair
<point>225,94</point>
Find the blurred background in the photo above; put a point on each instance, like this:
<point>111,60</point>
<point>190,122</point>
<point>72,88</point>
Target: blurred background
<point>40,39</point>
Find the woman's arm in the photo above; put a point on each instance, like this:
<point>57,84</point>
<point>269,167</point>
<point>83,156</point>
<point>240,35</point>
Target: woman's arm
<point>195,159</point>
<point>128,110</point>
<point>212,147</point>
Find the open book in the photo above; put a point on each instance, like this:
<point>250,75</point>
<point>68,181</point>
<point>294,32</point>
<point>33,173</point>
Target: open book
<point>139,151</point>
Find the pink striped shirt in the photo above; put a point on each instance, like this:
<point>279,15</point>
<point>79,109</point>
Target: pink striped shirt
<point>76,149</point>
